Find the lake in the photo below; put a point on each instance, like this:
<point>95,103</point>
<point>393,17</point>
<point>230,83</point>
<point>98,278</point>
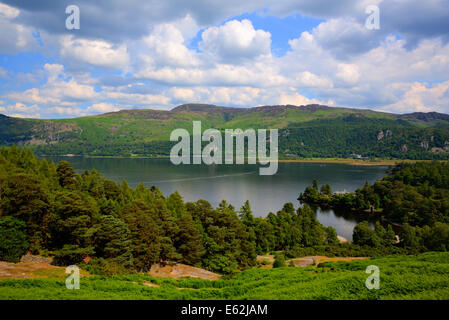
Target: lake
<point>238,183</point>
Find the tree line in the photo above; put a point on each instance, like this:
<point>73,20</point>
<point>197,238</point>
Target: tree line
<point>76,218</point>
<point>413,196</point>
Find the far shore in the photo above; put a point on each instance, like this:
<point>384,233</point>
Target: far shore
<point>356,162</point>
<point>350,161</point>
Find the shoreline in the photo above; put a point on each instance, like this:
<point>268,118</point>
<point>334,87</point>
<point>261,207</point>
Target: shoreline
<point>357,162</point>
<point>379,162</point>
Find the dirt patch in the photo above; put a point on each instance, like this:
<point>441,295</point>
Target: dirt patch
<point>152,285</point>
<point>303,262</point>
<point>182,271</point>
<point>334,259</point>
<point>28,270</point>
<point>315,260</point>
<point>36,259</point>
<point>269,258</point>
<point>342,239</point>
<point>265,262</point>
<point>32,270</point>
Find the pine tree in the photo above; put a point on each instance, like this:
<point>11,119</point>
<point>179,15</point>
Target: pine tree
<point>66,174</point>
<point>13,240</point>
<point>189,241</point>
<point>331,236</point>
<point>112,240</point>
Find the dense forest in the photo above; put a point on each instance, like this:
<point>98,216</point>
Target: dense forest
<point>414,196</point>
<point>369,138</point>
<point>51,210</point>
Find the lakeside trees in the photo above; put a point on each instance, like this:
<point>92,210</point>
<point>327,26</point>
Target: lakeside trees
<point>77,216</point>
<point>413,195</point>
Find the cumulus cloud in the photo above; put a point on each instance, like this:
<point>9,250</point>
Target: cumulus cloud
<point>14,37</point>
<point>21,110</point>
<point>102,108</point>
<point>155,56</point>
<point>236,40</point>
<point>296,99</point>
<point>349,73</point>
<point>8,12</point>
<point>95,52</point>
<point>167,47</point>
<point>420,97</point>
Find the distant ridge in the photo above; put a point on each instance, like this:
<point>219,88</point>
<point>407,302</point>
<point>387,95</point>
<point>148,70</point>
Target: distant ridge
<point>304,131</point>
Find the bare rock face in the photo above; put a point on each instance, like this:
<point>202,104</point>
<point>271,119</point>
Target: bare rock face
<point>404,148</point>
<point>443,149</point>
<point>424,144</point>
<point>179,270</point>
<point>49,133</point>
<point>380,135</point>
<point>439,150</point>
<point>36,259</point>
<point>386,134</point>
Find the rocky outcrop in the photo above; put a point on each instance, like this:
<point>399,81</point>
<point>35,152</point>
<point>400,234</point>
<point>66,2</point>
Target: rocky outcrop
<point>380,135</point>
<point>180,271</point>
<point>424,144</point>
<point>36,259</point>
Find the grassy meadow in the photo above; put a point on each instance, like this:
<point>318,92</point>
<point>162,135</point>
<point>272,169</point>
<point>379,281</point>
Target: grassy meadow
<point>425,276</point>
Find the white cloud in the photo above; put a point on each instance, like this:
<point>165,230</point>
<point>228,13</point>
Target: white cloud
<point>167,47</point>
<point>95,52</point>
<point>307,79</point>
<point>14,37</point>
<point>236,40</point>
<point>102,108</point>
<point>296,99</point>
<point>241,96</point>
<point>20,110</point>
<point>56,91</point>
<point>339,61</point>
<point>423,98</point>
<point>349,73</point>
<point>8,12</point>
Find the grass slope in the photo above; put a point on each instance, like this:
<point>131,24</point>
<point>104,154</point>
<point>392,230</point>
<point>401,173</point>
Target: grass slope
<point>425,276</point>
<point>147,132</point>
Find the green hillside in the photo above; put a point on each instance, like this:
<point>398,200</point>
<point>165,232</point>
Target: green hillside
<point>305,131</point>
<point>425,276</point>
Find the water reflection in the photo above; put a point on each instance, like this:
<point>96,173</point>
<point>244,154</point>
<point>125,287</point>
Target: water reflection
<point>238,183</point>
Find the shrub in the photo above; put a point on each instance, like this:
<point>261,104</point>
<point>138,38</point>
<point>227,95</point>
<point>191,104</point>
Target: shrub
<point>13,239</point>
<point>279,261</point>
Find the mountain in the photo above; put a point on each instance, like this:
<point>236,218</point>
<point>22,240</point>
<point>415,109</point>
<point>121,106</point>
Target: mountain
<point>305,131</point>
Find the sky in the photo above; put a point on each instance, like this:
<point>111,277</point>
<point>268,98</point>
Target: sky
<point>151,54</point>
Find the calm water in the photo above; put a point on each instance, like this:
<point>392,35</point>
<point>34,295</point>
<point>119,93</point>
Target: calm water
<point>238,183</point>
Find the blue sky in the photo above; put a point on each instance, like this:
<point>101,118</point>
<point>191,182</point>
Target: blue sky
<point>129,54</point>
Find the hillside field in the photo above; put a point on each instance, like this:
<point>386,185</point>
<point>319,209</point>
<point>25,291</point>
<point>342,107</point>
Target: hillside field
<point>312,131</point>
<point>425,276</point>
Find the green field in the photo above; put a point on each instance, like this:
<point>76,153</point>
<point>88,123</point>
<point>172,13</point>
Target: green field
<point>425,276</point>
<point>312,131</point>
